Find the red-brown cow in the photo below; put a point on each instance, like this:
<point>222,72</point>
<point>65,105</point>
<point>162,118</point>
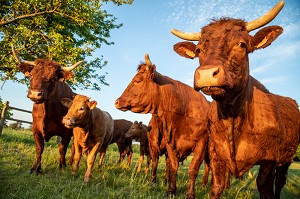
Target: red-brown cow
<point>92,129</point>
<point>47,88</point>
<point>248,125</point>
<point>182,111</point>
<point>121,127</point>
<point>138,131</point>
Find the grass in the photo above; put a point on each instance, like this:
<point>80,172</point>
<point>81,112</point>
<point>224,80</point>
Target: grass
<point>111,181</point>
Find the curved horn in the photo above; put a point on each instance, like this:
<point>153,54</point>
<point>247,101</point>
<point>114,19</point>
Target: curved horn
<point>266,18</point>
<point>147,60</point>
<point>69,68</point>
<point>186,36</point>
<point>19,59</point>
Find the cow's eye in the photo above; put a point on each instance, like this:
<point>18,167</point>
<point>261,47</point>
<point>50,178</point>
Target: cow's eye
<point>81,108</point>
<point>243,45</point>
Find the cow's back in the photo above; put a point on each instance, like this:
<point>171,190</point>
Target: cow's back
<point>103,126</point>
<point>121,126</point>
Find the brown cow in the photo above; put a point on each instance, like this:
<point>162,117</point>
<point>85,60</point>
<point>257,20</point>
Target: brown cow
<point>138,131</point>
<point>121,127</point>
<point>92,129</point>
<point>47,88</point>
<point>182,111</point>
<point>248,125</point>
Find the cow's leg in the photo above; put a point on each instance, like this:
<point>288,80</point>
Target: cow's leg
<point>198,157</point>
<point>154,157</point>
<point>147,163</point>
<point>123,153</point>
<point>129,155</point>
<point>65,140</point>
<point>280,180</point>
<point>102,155</point>
<point>90,162</point>
<point>77,157</point>
<point>218,169</point>
<point>265,180</point>
<point>39,145</point>
<point>140,163</point>
<point>227,177</point>
<point>167,175</point>
<point>206,172</point>
<point>173,167</point>
<point>72,154</point>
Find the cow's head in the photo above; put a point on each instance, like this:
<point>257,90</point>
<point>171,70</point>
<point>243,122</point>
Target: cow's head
<point>135,130</point>
<point>222,49</point>
<point>79,110</point>
<point>138,96</point>
<point>44,75</point>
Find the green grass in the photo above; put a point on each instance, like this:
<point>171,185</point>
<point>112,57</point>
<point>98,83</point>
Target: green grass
<point>17,151</point>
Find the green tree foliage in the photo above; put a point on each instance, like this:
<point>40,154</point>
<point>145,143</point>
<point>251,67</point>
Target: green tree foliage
<point>66,31</point>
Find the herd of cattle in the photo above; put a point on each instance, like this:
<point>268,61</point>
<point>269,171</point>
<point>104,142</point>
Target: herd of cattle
<point>244,125</point>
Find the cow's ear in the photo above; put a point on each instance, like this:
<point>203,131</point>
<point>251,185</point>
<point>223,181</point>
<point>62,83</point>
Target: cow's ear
<point>92,104</point>
<point>25,69</point>
<point>152,71</point>
<point>67,75</point>
<point>66,102</point>
<point>186,49</point>
<point>140,124</point>
<point>265,36</point>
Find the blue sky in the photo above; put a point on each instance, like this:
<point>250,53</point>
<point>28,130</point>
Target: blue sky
<point>146,29</point>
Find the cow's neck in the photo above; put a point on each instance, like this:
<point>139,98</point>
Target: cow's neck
<point>233,116</point>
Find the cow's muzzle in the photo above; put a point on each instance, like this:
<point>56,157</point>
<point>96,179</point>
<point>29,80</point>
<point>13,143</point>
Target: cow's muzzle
<point>69,123</point>
<point>209,77</point>
<point>36,96</point>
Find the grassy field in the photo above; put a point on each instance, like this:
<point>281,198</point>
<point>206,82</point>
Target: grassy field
<point>112,181</point>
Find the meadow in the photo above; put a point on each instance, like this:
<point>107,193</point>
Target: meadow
<point>112,181</point>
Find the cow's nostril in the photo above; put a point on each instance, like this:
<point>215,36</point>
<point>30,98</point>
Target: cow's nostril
<point>215,73</point>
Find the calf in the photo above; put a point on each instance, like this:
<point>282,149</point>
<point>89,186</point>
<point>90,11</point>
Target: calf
<point>124,143</point>
<point>92,129</point>
<point>138,131</point>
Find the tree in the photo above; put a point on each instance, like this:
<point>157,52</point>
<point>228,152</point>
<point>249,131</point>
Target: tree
<point>66,31</point>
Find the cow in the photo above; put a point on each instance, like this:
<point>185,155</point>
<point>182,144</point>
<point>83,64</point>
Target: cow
<point>247,124</point>
<point>183,114</point>
<point>47,88</point>
<point>139,131</point>
<point>121,127</point>
<point>92,129</point>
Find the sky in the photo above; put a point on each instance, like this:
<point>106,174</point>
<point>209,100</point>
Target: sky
<point>146,29</point>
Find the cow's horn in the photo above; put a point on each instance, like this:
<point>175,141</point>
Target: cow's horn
<point>265,19</point>
<point>19,59</point>
<point>186,36</point>
<point>69,68</point>
<point>147,60</point>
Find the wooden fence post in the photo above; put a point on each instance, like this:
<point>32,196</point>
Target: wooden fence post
<point>3,114</point>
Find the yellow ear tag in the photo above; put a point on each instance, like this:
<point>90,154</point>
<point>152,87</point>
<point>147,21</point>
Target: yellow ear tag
<point>190,53</point>
<point>263,42</point>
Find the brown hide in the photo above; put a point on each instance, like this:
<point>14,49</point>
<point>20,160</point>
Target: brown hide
<point>182,111</point>
<point>121,127</point>
<point>93,131</point>
<point>248,125</point>
<point>138,131</point>
<point>46,91</point>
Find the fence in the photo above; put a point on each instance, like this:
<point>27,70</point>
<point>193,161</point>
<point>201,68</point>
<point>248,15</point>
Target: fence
<point>4,113</point>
